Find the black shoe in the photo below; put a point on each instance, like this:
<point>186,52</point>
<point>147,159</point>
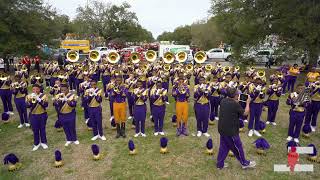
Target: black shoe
<point>123,130</point>
<point>118,131</point>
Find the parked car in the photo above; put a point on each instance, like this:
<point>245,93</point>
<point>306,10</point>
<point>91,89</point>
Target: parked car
<point>218,53</point>
<point>102,50</point>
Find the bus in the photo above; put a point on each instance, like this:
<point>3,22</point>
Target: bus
<point>83,46</point>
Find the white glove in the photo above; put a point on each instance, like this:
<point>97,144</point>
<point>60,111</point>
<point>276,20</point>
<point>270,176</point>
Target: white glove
<point>39,99</point>
<point>167,103</point>
<point>65,99</point>
<point>95,94</point>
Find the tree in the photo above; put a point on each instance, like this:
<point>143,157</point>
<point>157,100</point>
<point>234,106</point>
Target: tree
<point>248,22</point>
<point>180,35</point>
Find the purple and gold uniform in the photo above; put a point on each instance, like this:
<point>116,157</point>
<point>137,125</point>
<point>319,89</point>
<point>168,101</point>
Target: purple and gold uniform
<point>20,91</point>
<point>201,106</point>
<point>5,93</point>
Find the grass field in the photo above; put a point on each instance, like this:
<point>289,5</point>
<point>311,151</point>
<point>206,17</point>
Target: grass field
<point>186,159</point>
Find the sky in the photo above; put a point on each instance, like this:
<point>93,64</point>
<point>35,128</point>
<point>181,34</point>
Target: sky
<point>156,16</point>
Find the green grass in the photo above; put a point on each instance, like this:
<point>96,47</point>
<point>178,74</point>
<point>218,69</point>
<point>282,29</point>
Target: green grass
<point>186,159</point>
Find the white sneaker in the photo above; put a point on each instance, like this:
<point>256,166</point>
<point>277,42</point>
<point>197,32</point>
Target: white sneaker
<point>136,135</point>
<point>199,133</point>
<point>156,133</point>
<point>103,138</point>
<point>20,126</point>
<point>206,134</point>
<point>67,143</point>
<point>256,133</point>
<point>143,135</point>
<point>250,133</point>
<point>130,117</point>
<point>27,124</point>
<point>10,113</point>
<point>95,137</point>
<point>252,164</point>
<point>35,147</point>
<point>111,118</point>
<point>44,146</point>
<point>246,121</point>
<point>313,128</point>
<point>87,120</point>
<point>268,122</point>
<point>289,138</point>
<point>161,133</point>
<point>216,118</point>
<point>151,117</point>
<point>273,123</point>
<point>296,140</point>
<point>167,103</point>
<point>76,142</point>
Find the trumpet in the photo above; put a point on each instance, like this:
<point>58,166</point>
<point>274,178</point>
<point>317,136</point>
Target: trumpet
<point>151,55</point>
<point>181,56</point>
<point>200,57</point>
<point>72,56</point>
<point>55,87</point>
<point>208,67</point>
<point>161,92</point>
<point>189,67</point>
<point>3,77</point>
<point>94,56</point>
<point>32,98</point>
<point>90,92</point>
<point>226,69</point>
<point>140,92</point>
<point>116,89</point>
<point>261,74</point>
<point>182,90</point>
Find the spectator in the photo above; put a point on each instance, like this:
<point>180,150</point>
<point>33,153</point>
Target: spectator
<point>37,63</point>
<point>1,65</point>
<point>6,63</point>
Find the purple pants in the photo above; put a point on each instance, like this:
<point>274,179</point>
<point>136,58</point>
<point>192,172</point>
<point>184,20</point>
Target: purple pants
<point>312,113</point>
<point>165,85</point>
<point>72,82</point>
<point>295,124</point>
<point>214,104</point>
<point>69,125</point>
<point>234,144</point>
<point>105,82</point>
<point>38,123</point>
<point>111,107</point>
<point>202,116</point>
<point>22,109</point>
<point>52,80</point>
<point>243,105</point>
<point>78,82</point>
<point>158,113</point>
<point>95,115</point>
<point>6,96</point>
<point>130,104</point>
<point>139,114</point>
<point>255,114</point>
<point>285,84</point>
<point>272,110</point>
<point>291,82</point>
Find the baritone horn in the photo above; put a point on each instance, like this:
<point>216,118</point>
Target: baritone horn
<point>166,67</point>
<point>189,67</point>
<point>134,57</point>
<point>261,73</point>
<point>226,69</point>
<point>200,57</point>
<point>208,67</point>
<point>113,57</point>
<point>151,55</point>
<point>168,57</point>
<point>72,56</point>
<point>181,56</point>
<point>94,56</point>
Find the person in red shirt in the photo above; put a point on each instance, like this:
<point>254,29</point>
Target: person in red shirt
<point>36,61</point>
<point>26,61</point>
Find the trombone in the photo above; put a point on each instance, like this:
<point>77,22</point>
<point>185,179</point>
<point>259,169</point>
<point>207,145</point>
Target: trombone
<point>73,56</point>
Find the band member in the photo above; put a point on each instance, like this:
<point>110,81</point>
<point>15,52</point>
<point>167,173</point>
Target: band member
<point>297,113</point>
<point>109,88</point>
<point>292,76</point>
<point>214,100</point>
<point>131,81</point>
<point>257,94</point>
<point>312,76</point>
<point>106,76</point>
<point>285,71</point>
<point>244,90</point>
<point>54,73</point>
<point>201,106</point>
<point>158,99</point>
<point>79,78</point>
<point>83,87</point>
<point>55,90</point>
<point>314,107</point>
<point>37,79</point>
<point>181,94</point>
<point>38,102</point>
<point>140,96</point>
<point>119,94</point>
<point>19,89</point>
<point>274,92</point>
<point>66,102</point>
<point>93,99</point>
<point>6,93</point>
<point>71,71</point>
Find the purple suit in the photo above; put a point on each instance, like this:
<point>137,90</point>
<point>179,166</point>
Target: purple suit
<point>6,95</point>
<point>20,102</point>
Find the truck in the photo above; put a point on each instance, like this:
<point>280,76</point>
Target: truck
<point>219,53</point>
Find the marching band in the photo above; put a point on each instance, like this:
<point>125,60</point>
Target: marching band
<point>136,83</point>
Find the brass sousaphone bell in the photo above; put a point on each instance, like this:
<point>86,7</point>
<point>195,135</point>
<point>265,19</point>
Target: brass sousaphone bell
<point>113,57</point>
<point>168,57</point>
<point>166,67</point>
<point>151,55</point>
<point>94,56</point>
<point>73,56</point>
<point>135,57</point>
<point>200,57</point>
<point>181,56</point>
